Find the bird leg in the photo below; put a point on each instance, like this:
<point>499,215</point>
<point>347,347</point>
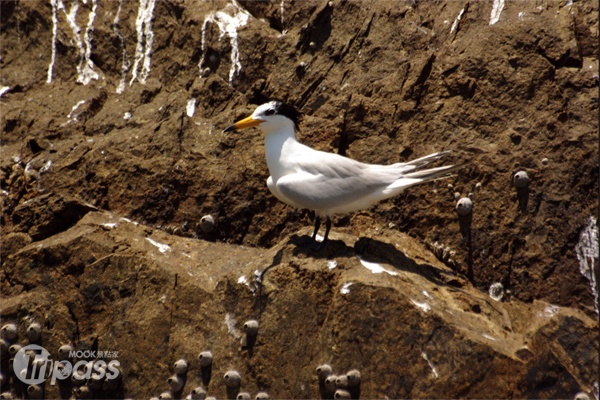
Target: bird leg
<point>327,229</point>
<point>317,225</point>
<point>319,245</point>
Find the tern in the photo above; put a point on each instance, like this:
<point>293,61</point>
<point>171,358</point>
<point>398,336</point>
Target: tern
<point>328,183</point>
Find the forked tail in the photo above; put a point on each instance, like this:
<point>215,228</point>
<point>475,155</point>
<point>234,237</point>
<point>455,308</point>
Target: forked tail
<point>432,174</point>
<point>422,176</point>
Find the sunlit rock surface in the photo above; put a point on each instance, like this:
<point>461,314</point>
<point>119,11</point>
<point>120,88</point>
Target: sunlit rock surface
<point>112,151</point>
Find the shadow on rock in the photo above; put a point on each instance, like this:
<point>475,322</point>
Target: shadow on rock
<point>375,251</point>
<point>333,248</point>
<point>371,250</point>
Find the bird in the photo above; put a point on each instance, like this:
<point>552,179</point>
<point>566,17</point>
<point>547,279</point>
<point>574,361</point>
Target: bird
<point>328,183</point>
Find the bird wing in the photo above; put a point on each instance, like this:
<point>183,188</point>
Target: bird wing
<point>330,181</point>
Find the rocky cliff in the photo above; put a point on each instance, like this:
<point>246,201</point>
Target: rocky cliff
<point>112,152</point>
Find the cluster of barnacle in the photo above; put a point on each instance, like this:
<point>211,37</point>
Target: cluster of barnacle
<point>82,384</point>
<point>231,378</point>
<point>79,383</point>
<point>205,228</point>
<point>10,385</point>
<point>90,380</point>
<point>8,349</point>
<point>443,253</point>
<point>464,212</point>
<point>334,386</point>
<point>464,205</point>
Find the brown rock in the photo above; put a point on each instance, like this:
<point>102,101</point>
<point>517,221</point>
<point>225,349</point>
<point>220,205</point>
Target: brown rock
<point>386,296</point>
<point>13,242</point>
<point>48,214</point>
<point>382,82</point>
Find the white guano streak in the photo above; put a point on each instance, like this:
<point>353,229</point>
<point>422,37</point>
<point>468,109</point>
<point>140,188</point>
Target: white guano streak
<point>145,37</point>
<point>346,288</point>
<point>54,5</point>
<point>587,255</point>
<point>191,107</point>
<point>376,268</point>
<point>71,15</point>
<point>227,24</point>
<point>46,167</point>
<point>549,311</point>
<point>230,322</point>
<point>86,66</point>
<point>423,306</point>
<point>434,372</point>
<point>125,64</point>
<point>457,20</point>
<point>118,15</point>
<point>163,248</point>
<point>496,11</point>
<point>75,107</point>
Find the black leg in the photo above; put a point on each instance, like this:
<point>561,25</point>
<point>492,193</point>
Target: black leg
<point>317,225</point>
<point>319,245</point>
<point>327,229</point>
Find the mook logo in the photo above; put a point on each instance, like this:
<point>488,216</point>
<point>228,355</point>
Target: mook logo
<point>32,365</point>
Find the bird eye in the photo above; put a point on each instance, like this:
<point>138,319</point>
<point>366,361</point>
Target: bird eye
<point>270,111</point>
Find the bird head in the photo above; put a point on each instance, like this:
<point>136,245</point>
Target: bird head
<point>270,117</point>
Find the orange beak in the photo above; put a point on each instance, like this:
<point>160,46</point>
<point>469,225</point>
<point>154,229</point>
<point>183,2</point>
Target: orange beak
<point>247,122</point>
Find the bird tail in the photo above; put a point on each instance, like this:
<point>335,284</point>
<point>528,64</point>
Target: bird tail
<point>422,176</point>
<point>421,162</point>
<point>432,174</point>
